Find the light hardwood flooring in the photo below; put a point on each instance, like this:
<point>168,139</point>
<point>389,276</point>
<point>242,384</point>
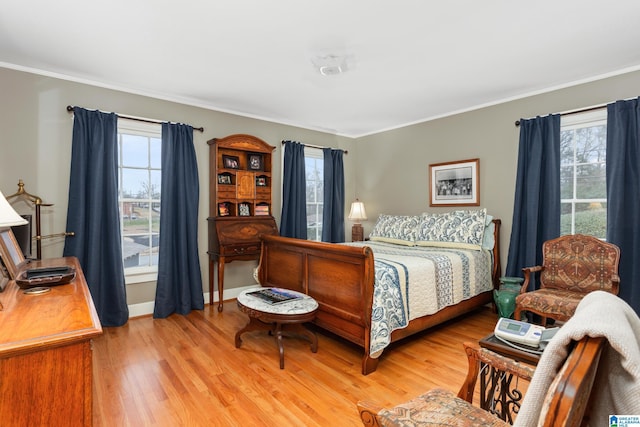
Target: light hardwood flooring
<point>186,371</point>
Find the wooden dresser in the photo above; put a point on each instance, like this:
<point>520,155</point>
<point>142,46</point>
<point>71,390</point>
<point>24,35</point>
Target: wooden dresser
<point>239,202</point>
<point>45,353</point>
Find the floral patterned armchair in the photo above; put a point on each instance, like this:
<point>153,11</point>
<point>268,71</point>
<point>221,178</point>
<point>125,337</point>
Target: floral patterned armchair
<point>572,266</point>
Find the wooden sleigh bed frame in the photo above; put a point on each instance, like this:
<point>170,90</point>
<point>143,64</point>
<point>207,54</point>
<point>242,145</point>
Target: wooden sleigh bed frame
<point>341,278</point>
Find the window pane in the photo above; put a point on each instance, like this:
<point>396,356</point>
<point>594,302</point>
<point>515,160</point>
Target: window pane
<point>156,184</point>
<point>566,182</point>
<point>591,219</point>
<point>135,183</point>
<point>591,143</point>
<point>566,216</point>
<point>156,153</point>
<point>566,147</point>
<point>135,151</point>
<point>591,181</point>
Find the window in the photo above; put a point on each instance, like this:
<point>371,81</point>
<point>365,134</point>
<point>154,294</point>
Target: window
<point>583,192</point>
<point>314,167</point>
<point>139,181</point>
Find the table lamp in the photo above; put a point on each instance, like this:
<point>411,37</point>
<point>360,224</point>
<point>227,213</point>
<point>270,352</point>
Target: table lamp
<point>8,218</point>
<point>357,214</point>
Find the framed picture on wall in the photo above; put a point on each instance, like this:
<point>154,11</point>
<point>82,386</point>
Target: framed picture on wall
<point>455,183</point>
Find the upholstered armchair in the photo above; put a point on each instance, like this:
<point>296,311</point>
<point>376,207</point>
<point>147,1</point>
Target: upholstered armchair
<point>572,266</point>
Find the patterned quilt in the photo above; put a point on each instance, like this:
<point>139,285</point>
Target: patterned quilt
<point>416,281</point>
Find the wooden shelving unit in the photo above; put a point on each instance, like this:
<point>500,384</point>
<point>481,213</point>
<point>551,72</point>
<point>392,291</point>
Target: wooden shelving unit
<point>240,209</point>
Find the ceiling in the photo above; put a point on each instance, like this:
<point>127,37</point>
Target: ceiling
<point>407,61</point>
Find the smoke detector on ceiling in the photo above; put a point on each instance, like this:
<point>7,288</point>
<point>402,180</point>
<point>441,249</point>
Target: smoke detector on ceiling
<point>330,65</point>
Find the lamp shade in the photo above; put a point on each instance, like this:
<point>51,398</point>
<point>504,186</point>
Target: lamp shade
<point>357,211</point>
<point>9,217</point>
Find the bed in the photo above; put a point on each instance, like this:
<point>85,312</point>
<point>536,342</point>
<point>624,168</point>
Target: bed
<point>415,272</point>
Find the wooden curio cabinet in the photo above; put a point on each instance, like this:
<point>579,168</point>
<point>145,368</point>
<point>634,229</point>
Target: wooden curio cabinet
<point>239,202</point>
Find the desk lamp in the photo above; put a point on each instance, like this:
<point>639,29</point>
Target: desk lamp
<point>357,214</point>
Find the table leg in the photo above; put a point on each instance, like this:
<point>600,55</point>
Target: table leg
<point>253,325</point>
<point>220,282</point>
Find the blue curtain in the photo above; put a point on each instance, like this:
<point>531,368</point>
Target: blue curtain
<point>333,208</point>
<point>623,193</point>
<point>294,188</point>
<point>179,287</point>
<point>536,211</point>
<point>93,212</point>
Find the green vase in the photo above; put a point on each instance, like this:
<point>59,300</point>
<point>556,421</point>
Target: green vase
<point>505,297</point>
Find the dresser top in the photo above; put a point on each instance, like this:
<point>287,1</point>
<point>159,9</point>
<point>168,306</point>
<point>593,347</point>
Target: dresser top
<point>65,314</point>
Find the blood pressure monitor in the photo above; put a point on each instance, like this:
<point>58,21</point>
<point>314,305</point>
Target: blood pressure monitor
<point>519,332</point>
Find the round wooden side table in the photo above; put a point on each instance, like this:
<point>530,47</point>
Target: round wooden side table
<point>272,317</point>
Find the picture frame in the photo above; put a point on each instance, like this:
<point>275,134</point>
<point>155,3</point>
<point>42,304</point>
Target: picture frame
<point>261,181</point>
<point>10,253</point>
<point>4,277</point>
<point>255,161</point>
<point>244,209</point>
<point>455,183</point>
<point>223,209</point>
<point>224,178</point>
<point>230,162</point>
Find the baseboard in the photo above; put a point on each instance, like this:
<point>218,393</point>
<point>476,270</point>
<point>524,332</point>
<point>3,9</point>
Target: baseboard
<point>146,308</point>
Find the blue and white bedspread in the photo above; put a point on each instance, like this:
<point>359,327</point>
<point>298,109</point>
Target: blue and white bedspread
<point>412,282</point>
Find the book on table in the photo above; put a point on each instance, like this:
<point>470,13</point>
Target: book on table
<point>275,295</point>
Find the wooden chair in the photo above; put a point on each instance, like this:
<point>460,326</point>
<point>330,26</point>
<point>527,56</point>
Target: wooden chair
<point>566,400</point>
<point>572,266</point>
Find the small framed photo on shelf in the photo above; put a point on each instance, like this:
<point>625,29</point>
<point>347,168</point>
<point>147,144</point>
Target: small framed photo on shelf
<point>230,162</point>
<point>224,178</point>
<point>255,161</point>
<point>244,209</point>
<point>10,253</point>
<point>4,277</point>
<point>261,181</point>
<point>223,209</point>
<point>455,183</point>
<point>262,209</point>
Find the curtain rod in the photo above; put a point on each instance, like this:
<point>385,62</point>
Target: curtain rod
<point>139,119</point>
<point>318,146</point>
<point>581,110</point>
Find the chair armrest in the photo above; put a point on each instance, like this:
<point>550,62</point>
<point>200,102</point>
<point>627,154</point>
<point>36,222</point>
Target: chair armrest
<point>477,355</point>
<point>527,276</point>
<point>369,413</point>
<point>615,284</point>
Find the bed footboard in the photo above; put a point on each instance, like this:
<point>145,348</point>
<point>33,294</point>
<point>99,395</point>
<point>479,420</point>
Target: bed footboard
<point>339,277</point>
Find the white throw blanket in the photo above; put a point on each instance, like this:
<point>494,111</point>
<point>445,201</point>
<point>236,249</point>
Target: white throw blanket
<point>617,382</point>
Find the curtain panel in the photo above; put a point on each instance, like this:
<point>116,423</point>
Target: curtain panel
<point>536,211</point>
<point>293,222</point>
<point>623,193</point>
<point>93,212</point>
<point>333,208</point>
<point>179,286</point>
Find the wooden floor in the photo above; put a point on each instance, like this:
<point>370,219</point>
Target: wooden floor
<point>186,371</point>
